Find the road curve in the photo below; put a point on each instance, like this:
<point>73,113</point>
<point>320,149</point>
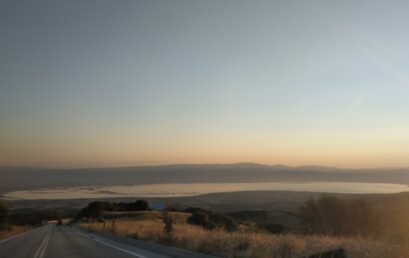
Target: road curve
<point>52,241</point>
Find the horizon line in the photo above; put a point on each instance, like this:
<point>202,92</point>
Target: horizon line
<point>204,164</point>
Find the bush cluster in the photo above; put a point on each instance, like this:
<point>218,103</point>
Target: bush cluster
<point>4,217</point>
<point>209,220</point>
<point>95,209</point>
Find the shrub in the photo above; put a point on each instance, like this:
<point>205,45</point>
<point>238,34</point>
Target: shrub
<point>208,220</point>
<point>139,205</point>
<point>274,228</point>
<point>201,218</point>
<point>168,221</point>
<point>4,217</point>
<point>95,209</point>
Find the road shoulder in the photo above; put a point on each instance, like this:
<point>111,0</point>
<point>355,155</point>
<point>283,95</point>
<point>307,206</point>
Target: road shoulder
<point>153,247</point>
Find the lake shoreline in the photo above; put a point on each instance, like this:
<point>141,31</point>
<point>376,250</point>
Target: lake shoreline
<point>196,189</point>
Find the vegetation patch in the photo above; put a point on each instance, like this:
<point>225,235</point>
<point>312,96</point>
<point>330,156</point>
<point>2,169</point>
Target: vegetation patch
<point>326,223</point>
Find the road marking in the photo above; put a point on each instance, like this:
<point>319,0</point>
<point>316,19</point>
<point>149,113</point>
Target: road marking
<point>45,246</point>
<point>7,239</point>
<point>113,246</point>
<point>41,250</point>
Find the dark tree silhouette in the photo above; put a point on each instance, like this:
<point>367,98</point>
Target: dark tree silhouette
<point>139,205</point>
<point>95,209</point>
<point>208,220</point>
<point>4,217</point>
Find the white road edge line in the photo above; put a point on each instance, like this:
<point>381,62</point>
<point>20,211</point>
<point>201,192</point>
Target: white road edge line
<point>112,246</point>
<point>8,239</point>
<point>41,250</point>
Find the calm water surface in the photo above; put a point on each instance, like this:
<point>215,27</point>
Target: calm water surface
<point>176,190</point>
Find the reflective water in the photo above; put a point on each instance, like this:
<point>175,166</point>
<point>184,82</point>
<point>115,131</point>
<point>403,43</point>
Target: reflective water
<point>176,190</point>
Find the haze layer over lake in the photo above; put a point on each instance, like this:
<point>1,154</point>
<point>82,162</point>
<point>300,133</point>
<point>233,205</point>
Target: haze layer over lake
<point>191,189</point>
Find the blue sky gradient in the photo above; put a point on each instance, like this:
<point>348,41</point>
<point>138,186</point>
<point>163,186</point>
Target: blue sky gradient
<point>101,83</point>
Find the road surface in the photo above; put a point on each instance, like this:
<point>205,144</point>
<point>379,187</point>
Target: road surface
<point>52,241</point>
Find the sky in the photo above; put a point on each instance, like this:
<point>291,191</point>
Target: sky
<point>118,83</point>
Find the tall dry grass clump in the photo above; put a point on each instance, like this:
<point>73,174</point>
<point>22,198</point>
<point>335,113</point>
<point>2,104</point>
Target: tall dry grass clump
<point>245,243</point>
<point>13,230</point>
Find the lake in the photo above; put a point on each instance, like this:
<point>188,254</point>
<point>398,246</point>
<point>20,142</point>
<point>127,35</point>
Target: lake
<point>191,189</point>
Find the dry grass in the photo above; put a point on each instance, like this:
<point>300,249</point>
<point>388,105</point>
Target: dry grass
<point>14,230</point>
<point>245,243</point>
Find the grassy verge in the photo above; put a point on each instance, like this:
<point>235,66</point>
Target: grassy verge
<point>14,230</point>
<point>244,243</point>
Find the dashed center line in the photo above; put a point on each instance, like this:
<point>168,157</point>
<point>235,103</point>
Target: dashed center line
<point>41,250</point>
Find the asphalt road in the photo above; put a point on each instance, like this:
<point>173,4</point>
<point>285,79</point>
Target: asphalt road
<point>63,241</point>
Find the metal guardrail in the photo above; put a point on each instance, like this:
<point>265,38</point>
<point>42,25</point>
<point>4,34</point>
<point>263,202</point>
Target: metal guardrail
<point>337,253</point>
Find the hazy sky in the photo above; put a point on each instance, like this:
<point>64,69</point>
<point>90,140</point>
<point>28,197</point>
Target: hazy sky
<point>100,83</point>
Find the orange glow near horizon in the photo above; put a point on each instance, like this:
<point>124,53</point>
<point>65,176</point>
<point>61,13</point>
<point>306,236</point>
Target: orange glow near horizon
<point>377,149</point>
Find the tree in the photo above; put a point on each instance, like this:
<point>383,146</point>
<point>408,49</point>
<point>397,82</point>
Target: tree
<point>202,218</point>
<point>139,205</point>
<point>93,210</point>
<point>4,217</point>
<point>274,228</point>
<point>208,220</point>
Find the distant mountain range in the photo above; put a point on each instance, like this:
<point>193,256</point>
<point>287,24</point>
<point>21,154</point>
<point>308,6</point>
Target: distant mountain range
<point>19,178</point>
